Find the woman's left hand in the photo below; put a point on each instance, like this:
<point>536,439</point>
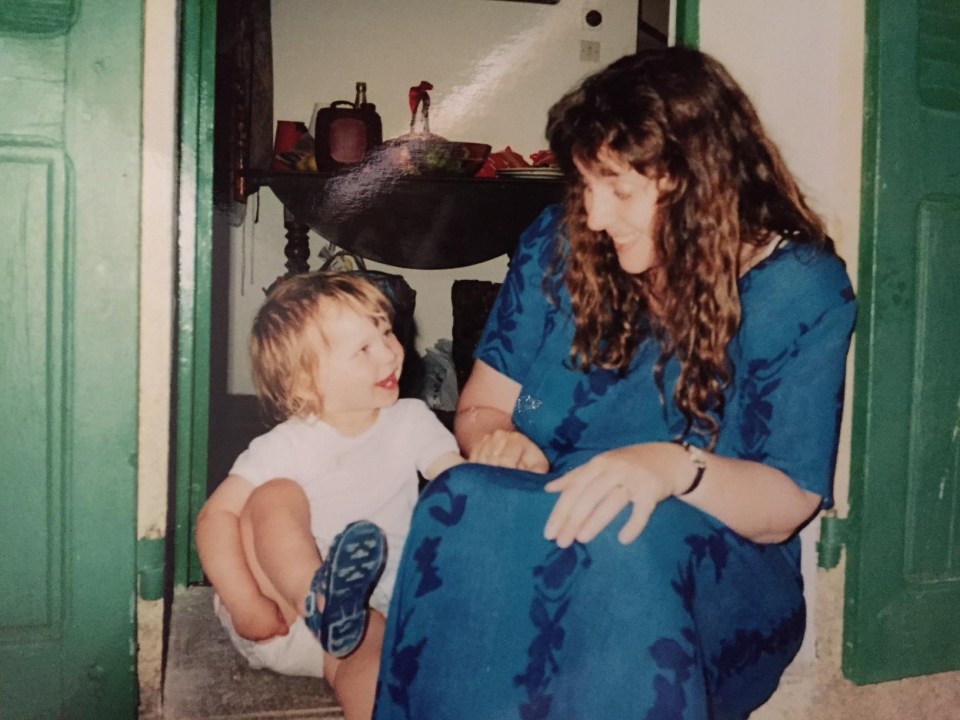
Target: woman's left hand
<point>596,492</point>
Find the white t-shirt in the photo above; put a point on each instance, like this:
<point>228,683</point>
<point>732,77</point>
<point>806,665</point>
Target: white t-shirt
<point>372,476</point>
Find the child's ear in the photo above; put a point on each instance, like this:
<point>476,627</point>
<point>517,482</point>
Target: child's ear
<point>306,392</point>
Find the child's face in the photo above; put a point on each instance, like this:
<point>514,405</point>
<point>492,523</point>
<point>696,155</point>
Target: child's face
<point>360,367</point>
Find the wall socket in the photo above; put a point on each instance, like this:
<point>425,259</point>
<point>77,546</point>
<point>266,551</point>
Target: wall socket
<point>590,51</point>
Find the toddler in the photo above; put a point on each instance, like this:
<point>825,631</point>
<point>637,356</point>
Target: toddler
<point>301,541</point>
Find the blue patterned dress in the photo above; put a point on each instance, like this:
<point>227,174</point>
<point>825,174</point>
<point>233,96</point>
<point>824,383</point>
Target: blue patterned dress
<point>691,621</point>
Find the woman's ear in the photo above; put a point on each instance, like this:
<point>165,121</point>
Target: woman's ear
<point>666,184</point>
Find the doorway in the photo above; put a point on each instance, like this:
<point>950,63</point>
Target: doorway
<point>214,422</point>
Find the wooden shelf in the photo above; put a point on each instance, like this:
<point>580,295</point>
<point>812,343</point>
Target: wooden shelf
<point>413,221</point>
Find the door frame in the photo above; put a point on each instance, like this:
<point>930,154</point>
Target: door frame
<point>198,32</point>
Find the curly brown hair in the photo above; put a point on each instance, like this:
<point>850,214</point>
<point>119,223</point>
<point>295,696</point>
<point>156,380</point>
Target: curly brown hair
<point>674,114</point>
<point>287,338</point>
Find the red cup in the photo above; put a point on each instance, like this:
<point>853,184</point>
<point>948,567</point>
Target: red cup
<point>288,134</point>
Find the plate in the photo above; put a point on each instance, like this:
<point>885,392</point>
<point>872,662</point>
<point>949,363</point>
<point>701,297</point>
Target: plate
<point>531,172</point>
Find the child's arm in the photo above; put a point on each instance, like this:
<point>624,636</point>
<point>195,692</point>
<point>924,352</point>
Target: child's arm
<point>254,616</point>
<point>442,463</point>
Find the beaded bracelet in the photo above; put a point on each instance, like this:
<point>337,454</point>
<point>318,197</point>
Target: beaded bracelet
<point>696,457</point>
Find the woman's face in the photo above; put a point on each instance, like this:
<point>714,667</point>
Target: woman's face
<point>622,203</point>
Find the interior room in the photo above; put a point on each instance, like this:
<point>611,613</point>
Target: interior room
<point>133,269</point>
<point>798,62</point>
<point>494,71</point>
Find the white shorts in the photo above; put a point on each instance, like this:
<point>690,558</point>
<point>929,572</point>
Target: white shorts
<point>380,599</point>
<point>296,653</point>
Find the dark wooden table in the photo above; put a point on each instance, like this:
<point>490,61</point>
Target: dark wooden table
<point>419,222</point>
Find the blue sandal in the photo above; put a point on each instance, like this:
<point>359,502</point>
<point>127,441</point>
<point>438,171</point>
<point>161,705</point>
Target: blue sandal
<point>346,580</point>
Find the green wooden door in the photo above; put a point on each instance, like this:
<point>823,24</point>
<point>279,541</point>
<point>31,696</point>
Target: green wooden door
<point>69,232</point>
<point>197,76</point>
<point>903,578</point>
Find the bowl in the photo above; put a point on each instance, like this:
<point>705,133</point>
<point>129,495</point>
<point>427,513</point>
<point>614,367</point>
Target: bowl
<point>455,158</point>
<point>435,156</point>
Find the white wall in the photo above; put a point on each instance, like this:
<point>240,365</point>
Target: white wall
<point>802,65</point>
<point>157,270</point>
<point>496,67</point>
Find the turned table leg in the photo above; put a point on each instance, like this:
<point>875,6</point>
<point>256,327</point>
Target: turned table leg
<point>297,248</point>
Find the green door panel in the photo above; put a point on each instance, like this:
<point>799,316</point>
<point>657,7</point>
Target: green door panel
<point>69,261</point>
<point>31,86</point>
<point>32,355</point>
<point>37,17</point>
<point>903,577</point>
<point>197,76</point>
<point>931,549</point>
<point>687,23</point>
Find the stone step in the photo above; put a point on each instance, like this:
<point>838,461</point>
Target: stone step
<point>206,679</point>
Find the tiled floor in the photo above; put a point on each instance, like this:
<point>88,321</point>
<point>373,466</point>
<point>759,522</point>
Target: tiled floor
<point>206,678</point>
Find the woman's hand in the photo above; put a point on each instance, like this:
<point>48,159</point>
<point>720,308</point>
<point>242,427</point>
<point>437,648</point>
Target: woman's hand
<point>484,425</point>
<point>596,492</point>
<point>510,449</point>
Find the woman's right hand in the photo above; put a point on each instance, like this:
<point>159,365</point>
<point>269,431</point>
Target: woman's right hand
<point>509,449</point>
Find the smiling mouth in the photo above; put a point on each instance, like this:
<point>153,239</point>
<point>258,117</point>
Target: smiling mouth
<point>389,382</point>
<point>620,245</point>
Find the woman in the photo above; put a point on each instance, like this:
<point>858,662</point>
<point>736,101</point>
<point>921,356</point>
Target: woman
<point>653,414</point>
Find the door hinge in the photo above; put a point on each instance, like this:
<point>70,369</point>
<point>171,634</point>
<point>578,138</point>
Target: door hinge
<point>151,556</point>
<point>833,537</point>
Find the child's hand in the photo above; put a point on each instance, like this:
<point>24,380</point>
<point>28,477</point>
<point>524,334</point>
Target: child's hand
<point>510,449</point>
<point>259,620</point>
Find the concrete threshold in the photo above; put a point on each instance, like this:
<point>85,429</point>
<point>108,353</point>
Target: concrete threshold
<point>206,679</point>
